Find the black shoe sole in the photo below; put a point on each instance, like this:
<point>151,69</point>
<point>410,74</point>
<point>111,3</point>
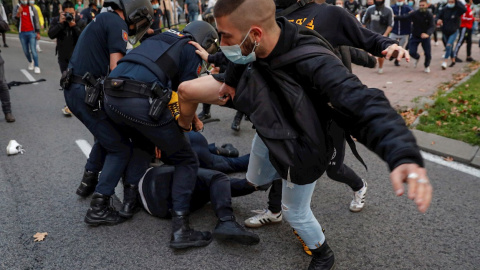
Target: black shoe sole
<point>241,239</point>
<point>83,193</point>
<point>200,243</point>
<point>95,223</point>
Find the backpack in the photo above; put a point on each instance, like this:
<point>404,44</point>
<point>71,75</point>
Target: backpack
<point>4,27</point>
<point>296,132</point>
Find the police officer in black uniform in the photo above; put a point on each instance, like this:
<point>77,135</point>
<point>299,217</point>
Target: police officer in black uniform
<point>136,96</point>
<point>89,13</point>
<point>100,46</point>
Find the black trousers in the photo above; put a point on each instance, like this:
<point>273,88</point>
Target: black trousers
<point>336,170</point>
<point>4,93</point>
<point>214,186</point>
<point>464,35</point>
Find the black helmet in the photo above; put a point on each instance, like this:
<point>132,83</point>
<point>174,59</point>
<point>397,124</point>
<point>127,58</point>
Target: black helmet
<point>203,33</point>
<point>138,13</point>
<point>208,16</point>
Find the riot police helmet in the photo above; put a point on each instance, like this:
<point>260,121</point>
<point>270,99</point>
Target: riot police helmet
<point>138,16</point>
<point>204,34</point>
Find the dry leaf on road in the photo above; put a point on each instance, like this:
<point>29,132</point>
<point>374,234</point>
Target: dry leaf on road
<point>448,158</point>
<point>433,142</point>
<point>39,236</point>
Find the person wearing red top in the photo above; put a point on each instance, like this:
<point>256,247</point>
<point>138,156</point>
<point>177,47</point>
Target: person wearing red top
<point>29,31</point>
<point>466,33</point>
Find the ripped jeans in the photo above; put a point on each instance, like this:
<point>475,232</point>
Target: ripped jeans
<point>295,198</point>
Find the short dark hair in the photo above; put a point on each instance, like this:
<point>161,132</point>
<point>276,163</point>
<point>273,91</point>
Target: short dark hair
<point>226,7</point>
<point>284,3</point>
<point>67,4</point>
<point>423,1</point>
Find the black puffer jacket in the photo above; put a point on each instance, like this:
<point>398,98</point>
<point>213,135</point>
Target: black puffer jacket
<point>365,112</point>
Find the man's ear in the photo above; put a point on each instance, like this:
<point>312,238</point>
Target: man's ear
<point>257,33</point>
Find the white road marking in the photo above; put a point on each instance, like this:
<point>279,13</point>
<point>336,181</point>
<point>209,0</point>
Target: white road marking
<point>451,164</point>
<point>84,146</point>
<point>28,75</point>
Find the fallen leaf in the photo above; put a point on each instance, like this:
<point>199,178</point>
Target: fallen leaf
<point>422,90</point>
<point>478,118</point>
<point>439,123</point>
<point>448,159</point>
<point>475,128</point>
<point>40,236</point>
<point>433,142</point>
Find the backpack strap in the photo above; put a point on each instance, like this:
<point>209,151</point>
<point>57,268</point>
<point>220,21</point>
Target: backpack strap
<point>292,8</point>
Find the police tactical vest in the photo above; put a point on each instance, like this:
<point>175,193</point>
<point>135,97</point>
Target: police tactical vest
<point>159,54</point>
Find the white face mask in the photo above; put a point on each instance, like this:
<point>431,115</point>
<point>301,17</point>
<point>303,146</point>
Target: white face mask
<point>234,52</point>
<point>31,2</point>
<point>339,5</point>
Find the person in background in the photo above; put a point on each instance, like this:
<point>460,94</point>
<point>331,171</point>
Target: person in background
<point>56,8</point>
<point>351,6</point>
<point>379,19</point>
<point>449,18</point>
<point>89,13</point>
<point>3,16</point>
<point>40,19</point>
<point>5,95</point>
<point>466,33</point>
<point>156,27</point>
<point>401,29</point>
<point>45,9</point>
<point>192,9</point>
<point>166,7</point>
<point>66,28</point>
<point>79,6</point>
<point>28,32</point>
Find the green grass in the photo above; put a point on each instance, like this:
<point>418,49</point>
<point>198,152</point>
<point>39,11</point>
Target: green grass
<point>457,114</point>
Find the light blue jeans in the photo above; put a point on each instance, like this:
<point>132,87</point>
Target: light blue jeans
<point>29,45</point>
<point>449,40</point>
<point>295,198</point>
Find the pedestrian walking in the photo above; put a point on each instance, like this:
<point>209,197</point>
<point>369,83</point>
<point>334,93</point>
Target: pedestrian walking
<point>28,32</point>
<point>449,18</point>
<point>465,33</point>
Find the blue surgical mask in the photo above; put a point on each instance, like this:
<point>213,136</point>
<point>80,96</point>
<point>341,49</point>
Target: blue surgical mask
<point>31,2</point>
<point>234,53</point>
<point>410,4</point>
<point>155,6</point>
<point>399,4</point>
<point>450,5</point>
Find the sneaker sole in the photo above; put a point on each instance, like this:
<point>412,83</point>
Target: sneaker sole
<point>201,243</point>
<point>355,210</point>
<point>260,225</point>
<point>241,239</point>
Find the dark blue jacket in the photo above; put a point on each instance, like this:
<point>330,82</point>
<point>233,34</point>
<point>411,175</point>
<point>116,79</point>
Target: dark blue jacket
<point>401,27</point>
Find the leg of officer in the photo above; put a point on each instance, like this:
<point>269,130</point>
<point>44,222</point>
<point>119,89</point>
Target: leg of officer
<point>118,153</point>
<point>5,94</point>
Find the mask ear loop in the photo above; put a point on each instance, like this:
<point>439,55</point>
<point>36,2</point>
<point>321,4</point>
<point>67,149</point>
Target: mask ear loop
<point>255,45</point>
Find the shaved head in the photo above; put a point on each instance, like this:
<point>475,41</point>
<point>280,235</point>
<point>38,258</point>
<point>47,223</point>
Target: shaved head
<point>245,13</point>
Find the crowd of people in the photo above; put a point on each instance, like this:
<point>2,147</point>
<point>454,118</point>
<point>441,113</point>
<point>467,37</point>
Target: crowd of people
<point>285,64</point>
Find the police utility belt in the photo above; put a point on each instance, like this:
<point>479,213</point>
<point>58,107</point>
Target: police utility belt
<point>125,88</point>
<point>93,86</point>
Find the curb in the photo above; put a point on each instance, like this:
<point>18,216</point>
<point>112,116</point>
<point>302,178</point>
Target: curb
<point>446,147</point>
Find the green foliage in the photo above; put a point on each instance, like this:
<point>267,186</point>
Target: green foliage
<point>457,114</point>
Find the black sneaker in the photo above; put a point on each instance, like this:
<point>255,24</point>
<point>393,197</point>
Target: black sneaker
<point>452,64</point>
<point>88,184</point>
<point>458,60</point>
<point>397,64</point>
<point>204,116</point>
<point>323,258</point>
<point>227,150</point>
<point>228,229</point>
<point>5,45</point>
<point>470,59</point>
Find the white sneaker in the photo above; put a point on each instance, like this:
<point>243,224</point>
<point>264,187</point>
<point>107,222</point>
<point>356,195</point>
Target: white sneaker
<point>31,66</point>
<point>37,70</point>
<point>358,201</point>
<point>14,148</point>
<point>38,48</point>
<point>415,63</point>
<point>444,65</point>
<point>427,70</point>
<point>436,43</point>
<point>263,217</point>
<point>380,70</point>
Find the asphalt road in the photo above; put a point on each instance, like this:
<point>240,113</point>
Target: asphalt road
<point>37,194</point>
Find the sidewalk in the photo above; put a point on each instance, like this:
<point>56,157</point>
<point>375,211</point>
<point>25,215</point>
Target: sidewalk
<point>405,83</point>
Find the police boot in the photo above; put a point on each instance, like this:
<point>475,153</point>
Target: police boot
<point>228,229</point>
<point>205,113</point>
<point>183,236</point>
<point>88,184</point>
<point>323,258</point>
<point>227,150</point>
<point>236,121</point>
<point>102,212</point>
<point>130,201</point>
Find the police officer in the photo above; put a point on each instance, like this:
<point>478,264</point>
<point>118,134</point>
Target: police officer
<point>98,49</point>
<point>89,13</point>
<point>136,95</point>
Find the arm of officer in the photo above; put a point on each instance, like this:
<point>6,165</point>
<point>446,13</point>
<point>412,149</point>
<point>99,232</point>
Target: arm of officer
<point>367,113</point>
<point>114,58</point>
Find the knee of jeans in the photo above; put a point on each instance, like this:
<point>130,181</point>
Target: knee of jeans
<point>295,215</point>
